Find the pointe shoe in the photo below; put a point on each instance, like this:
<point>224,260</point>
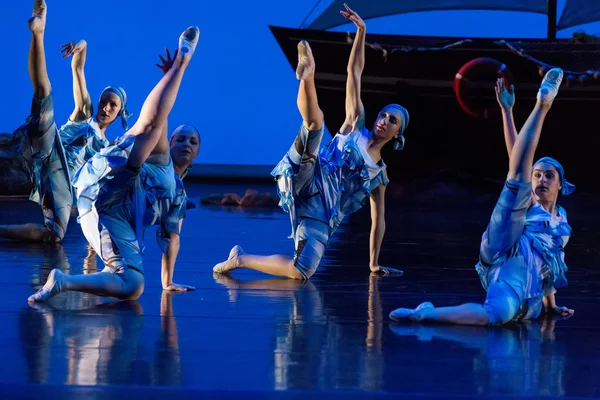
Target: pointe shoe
<point>187,42</point>
<point>306,61</point>
<point>231,263</point>
<point>37,22</point>
<point>550,85</point>
<point>402,314</point>
<point>52,287</point>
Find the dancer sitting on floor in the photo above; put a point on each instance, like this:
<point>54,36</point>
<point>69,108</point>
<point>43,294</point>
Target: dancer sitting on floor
<point>319,188</point>
<point>521,259</point>
<point>130,185</point>
<point>53,156</point>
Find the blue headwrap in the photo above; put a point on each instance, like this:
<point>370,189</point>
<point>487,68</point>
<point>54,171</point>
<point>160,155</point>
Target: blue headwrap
<point>399,141</point>
<point>123,113</point>
<point>567,188</point>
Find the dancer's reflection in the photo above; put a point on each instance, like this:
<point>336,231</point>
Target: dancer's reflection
<point>300,350</point>
<point>372,371</point>
<point>167,360</point>
<point>515,359</point>
<point>316,349</point>
<point>90,265</point>
<point>91,346</point>
<point>40,257</point>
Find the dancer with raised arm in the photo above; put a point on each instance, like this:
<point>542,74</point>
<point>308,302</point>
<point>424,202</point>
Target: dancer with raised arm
<point>318,188</point>
<point>51,155</point>
<point>521,259</point>
<point>130,185</point>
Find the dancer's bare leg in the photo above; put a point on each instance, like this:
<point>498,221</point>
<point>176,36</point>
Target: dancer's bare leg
<point>28,232</point>
<point>158,104</point>
<point>277,264</point>
<point>307,101</point>
<point>37,56</point>
<point>125,285</point>
<point>312,116</point>
<point>465,314</point>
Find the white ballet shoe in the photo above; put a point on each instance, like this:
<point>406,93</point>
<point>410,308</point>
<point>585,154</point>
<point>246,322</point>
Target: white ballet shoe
<point>188,41</point>
<point>52,287</point>
<point>402,314</point>
<point>231,263</point>
<point>37,22</point>
<point>550,85</point>
<point>306,61</point>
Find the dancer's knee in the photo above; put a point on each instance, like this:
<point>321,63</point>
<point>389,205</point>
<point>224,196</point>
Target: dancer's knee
<point>311,239</point>
<point>315,123</point>
<point>134,283</point>
<point>502,303</point>
<point>312,128</point>
<point>307,258</point>
<point>41,116</point>
<point>42,91</point>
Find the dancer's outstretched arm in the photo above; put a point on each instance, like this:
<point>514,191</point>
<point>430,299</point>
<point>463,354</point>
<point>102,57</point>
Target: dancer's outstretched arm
<point>506,100</point>
<point>378,231</point>
<point>84,108</point>
<point>355,111</point>
<point>168,264</point>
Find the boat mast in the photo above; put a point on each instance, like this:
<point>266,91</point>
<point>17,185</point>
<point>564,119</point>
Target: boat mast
<point>552,6</point>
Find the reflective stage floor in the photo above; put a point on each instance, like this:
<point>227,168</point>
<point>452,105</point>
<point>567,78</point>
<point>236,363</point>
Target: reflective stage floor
<point>254,336</point>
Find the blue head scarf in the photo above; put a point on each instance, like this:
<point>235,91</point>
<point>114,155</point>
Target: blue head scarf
<point>567,187</point>
<point>123,113</point>
<point>399,141</point>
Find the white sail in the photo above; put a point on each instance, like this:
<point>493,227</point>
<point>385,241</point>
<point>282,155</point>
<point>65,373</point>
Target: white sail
<point>368,9</point>
<point>579,12</point>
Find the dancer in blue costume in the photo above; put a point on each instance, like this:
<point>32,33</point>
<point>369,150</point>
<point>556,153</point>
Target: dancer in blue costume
<point>51,155</point>
<point>319,188</point>
<point>132,184</point>
<point>521,259</point>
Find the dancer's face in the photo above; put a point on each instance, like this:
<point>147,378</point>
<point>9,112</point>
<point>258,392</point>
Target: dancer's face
<point>546,182</point>
<point>388,124</point>
<point>108,108</point>
<point>185,145</point>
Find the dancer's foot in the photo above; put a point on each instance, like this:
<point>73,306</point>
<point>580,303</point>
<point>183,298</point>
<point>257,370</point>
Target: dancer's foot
<point>53,286</point>
<point>402,314</point>
<point>37,22</point>
<point>231,263</point>
<point>550,85</point>
<point>187,44</point>
<point>306,61</point>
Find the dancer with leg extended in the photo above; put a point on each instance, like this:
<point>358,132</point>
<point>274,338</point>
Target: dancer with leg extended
<point>130,185</point>
<point>51,155</point>
<point>319,188</point>
<point>521,261</point>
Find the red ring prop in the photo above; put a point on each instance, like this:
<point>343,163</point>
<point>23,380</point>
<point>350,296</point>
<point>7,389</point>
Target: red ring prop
<point>460,79</point>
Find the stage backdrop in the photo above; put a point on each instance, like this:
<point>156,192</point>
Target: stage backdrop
<point>240,91</point>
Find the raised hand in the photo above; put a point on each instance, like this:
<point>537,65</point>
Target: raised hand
<point>505,97</point>
<point>354,17</point>
<point>73,48</point>
<point>168,63</point>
